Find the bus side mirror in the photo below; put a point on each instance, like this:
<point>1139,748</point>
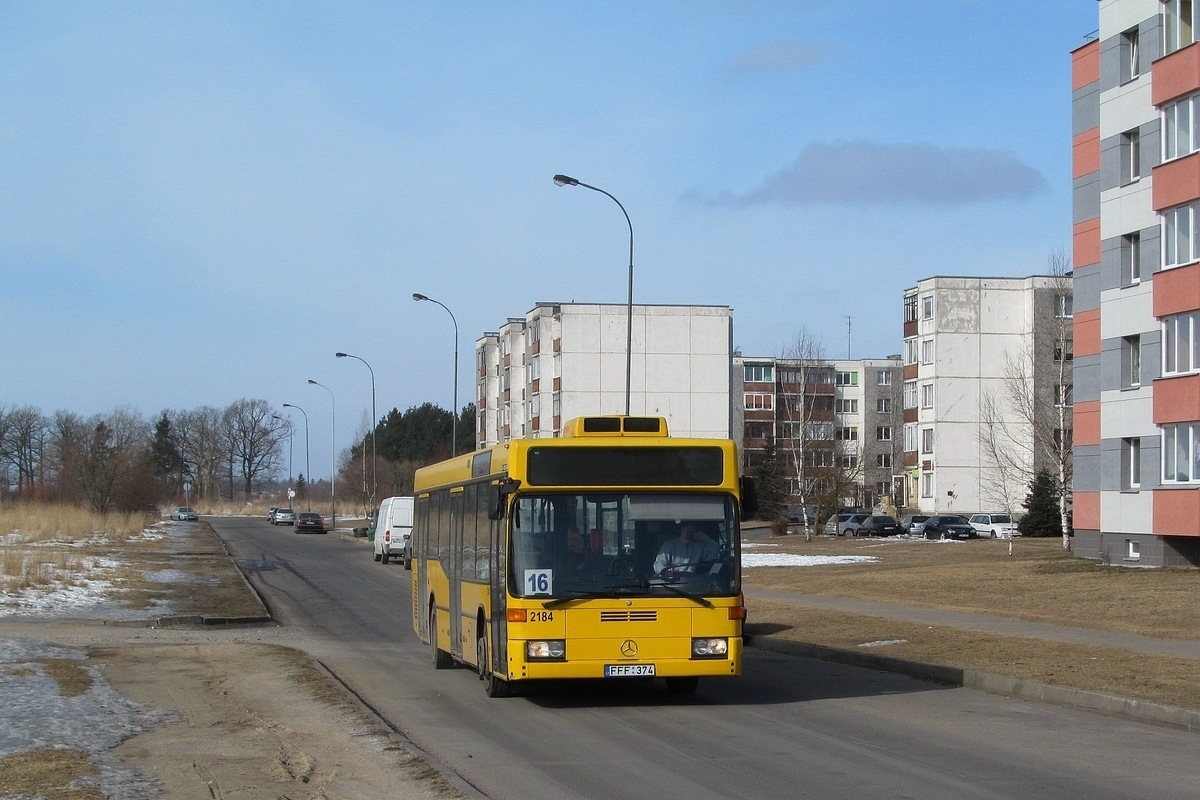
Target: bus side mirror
<point>749,497</point>
<point>498,496</point>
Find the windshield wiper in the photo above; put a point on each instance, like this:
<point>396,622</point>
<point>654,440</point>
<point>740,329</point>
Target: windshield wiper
<point>581,595</point>
<point>689,595</point>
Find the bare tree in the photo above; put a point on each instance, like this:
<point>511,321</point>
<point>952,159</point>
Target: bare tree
<point>254,438</point>
<point>1026,424</point>
<point>804,433</point>
<point>25,431</point>
<point>117,449</point>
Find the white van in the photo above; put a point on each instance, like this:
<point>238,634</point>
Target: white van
<point>393,526</point>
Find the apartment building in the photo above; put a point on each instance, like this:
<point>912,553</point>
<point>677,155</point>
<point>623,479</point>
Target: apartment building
<point>987,390</point>
<point>566,360</point>
<point>1136,168</point>
<point>834,425</point>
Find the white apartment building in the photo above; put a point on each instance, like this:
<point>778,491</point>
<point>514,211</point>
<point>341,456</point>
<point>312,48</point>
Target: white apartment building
<point>566,360</point>
<point>972,348</point>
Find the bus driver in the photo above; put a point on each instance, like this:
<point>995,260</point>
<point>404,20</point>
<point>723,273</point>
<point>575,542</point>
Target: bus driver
<point>685,552</point>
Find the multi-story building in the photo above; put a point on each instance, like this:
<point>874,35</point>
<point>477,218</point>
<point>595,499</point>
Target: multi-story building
<point>566,360</point>
<point>987,390</point>
<point>1136,167</point>
<point>834,425</point>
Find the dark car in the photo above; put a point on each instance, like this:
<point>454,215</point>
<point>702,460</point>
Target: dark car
<point>309,522</point>
<point>877,525</point>
<point>949,526</point>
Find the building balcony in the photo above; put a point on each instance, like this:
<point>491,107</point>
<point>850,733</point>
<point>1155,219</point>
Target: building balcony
<point>1175,75</point>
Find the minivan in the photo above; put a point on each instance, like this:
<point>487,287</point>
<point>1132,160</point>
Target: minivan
<point>393,525</point>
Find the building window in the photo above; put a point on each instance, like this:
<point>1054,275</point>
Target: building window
<point>910,394</point>
<point>1179,133</point>
<point>1061,352</point>
<point>1131,464</point>
<point>883,433</point>
<point>883,488</point>
<point>883,405</point>
<point>926,484</point>
<point>850,461</point>
<point>927,351</point>
<point>927,395</point>
<point>1179,453</point>
<point>1134,551</point>
<point>1179,235</point>
<point>1064,305</point>
<point>883,460</point>
<point>1062,395</point>
<point>910,437</point>
<point>844,406</point>
<point>910,308</point>
<point>1131,362</point>
<point>846,379</point>
<point>757,430</point>
<point>883,377</point>
<point>847,434</point>
<point>1131,156</point>
<point>1130,57</point>
<point>1179,24</point>
<point>927,440</point>
<point>1181,344</point>
<point>759,373</point>
<point>1062,443</point>
<point>927,307</point>
<point>910,351</point>
<point>818,458</point>
<point>1131,259</point>
<point>760,402</point>
<point>818,431</point>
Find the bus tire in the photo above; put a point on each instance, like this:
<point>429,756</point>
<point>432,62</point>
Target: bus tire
<point>441,659</point>
<point>492,686</point>
<point>683,685</point>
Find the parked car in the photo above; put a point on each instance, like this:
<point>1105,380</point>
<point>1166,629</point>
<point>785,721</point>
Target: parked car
<point>271,513</point>
<point>833,523</point>
<point>913,524</point>
<point>877,525</point>
<point>847,526</point>
<point>948,526</point>
<point>309,522</point>
<point>995,526</point>
<point>184,514</point>
<point>801,514</point>
<point>284,516</point>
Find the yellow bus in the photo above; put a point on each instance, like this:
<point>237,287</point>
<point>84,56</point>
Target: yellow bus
<point>611,552</point>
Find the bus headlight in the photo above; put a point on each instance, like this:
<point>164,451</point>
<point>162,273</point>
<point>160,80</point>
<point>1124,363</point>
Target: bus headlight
<point>710,648</point>
<point>546,649</point>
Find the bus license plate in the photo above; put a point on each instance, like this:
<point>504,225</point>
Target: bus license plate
<point>629,670</point>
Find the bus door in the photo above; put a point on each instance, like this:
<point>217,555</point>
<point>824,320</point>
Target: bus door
<point>421,551</point>
<point>456,572</point>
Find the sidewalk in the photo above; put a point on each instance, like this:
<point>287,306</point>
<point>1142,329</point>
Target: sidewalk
<point>1112,705</point>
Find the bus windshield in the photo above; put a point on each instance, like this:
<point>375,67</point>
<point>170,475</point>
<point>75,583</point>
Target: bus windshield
<point>566,545</point>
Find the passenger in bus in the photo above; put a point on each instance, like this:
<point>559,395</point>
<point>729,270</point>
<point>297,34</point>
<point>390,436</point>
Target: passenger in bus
<point>686,552</point>
<point>579,558</point>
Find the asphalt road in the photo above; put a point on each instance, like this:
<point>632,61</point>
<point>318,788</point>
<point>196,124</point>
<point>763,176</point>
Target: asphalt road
<point>789,727</point>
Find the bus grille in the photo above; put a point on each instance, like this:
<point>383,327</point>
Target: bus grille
<point>628,616</point>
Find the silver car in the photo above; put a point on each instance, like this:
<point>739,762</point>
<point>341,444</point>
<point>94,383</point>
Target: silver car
<point>284,516</point>
<point>914,524</point>
<point>184,514</point>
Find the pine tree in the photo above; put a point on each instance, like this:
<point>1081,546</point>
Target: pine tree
<point>770,486</point>
<point>1041,507</point>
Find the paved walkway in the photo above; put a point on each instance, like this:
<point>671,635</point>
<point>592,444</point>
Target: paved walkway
<point>988,623</point>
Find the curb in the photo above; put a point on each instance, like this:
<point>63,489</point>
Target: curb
<point>1143,711</point>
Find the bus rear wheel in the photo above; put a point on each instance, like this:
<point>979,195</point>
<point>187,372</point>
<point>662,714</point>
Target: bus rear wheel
<point>684,685</point>
<point>441,659</point>
<point>492,685</point>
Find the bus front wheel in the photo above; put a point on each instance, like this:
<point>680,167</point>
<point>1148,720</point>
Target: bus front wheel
<point>441,659</point>
<point>492,685</point>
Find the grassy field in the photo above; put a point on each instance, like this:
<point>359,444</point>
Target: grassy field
<point>1037,581</point>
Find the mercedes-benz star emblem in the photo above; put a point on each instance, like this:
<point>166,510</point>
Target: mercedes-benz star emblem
<point>629,648</point>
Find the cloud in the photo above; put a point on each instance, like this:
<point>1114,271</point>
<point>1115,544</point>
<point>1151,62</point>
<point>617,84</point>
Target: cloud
<point>780,57</point>
<point>862,173</point>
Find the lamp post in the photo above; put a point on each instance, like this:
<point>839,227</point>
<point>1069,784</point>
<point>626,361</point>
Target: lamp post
<point>566,180</point>
<point>454,416</point>
<point>333,473</point>
<point>374,425</point>
<point>307,467</point>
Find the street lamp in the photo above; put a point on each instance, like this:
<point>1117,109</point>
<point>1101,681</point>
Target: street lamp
<point>374,425</point>
<point>454,422</point>
<point>566,180</point>
<point>333,473</point>
<point>307,467</point>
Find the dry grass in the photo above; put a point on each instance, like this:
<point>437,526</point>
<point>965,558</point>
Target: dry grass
<point>57,522</point>
<point>1038,581</point>
<point>49,772</point>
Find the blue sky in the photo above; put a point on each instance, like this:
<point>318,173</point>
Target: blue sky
<point>204,201</point>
